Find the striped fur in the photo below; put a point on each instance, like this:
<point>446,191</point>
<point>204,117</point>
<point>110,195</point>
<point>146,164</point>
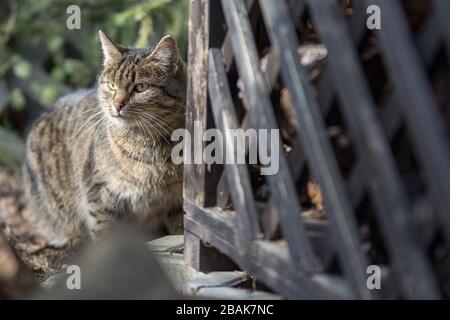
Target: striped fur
<point>87,167</point>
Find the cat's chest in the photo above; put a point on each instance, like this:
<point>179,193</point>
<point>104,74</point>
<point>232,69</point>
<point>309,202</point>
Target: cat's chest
<point>139,181</point>
<point>142,198</point>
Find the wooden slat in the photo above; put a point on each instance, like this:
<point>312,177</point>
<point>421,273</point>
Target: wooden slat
<point>261,115</point>
<point>411,270</point>
<point>427,41</point>
<point>272,67</point>
<point>196,99</point>
<point>226,120</point>
<point>223,192</point>
<point>442,13</point>
<point>357,21</point>
<point>227,52</point>
<point>319,153</point>
<point>408,257</point>
<point>192,249</point>
<point>418,106</point>
<point>203,257</point>
<point>268,262</point>
<point>296,8</point>
<point>428,45</point>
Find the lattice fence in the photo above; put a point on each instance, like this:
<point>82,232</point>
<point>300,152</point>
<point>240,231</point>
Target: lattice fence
<point>364,176</point>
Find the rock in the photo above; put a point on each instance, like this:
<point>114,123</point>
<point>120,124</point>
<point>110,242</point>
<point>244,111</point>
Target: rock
<point>222,285</point>
<point>117,266</point>
<point>15,280</point>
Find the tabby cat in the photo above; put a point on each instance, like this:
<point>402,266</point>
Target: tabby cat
<point>103,155</point>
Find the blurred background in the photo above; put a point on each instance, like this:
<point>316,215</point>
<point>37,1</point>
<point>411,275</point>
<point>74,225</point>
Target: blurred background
<point>41,59</point>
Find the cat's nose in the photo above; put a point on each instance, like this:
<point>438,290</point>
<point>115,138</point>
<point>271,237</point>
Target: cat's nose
<point>118,105</point>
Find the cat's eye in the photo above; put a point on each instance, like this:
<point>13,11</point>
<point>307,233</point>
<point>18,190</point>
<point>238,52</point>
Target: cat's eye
<point>140,87</point>
<point>111,85</point>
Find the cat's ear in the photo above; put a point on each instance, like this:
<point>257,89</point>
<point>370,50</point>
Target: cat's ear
<point>111,51</point>
<point>166,52</point>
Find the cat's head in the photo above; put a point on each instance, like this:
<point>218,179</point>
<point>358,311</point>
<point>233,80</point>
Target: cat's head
<point>143,88</point>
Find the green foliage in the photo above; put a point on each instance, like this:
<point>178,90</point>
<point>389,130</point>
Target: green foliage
<point>42,59</point>
<point>11,149</point>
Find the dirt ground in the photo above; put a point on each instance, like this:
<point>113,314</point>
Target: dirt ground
<point>16,222</point>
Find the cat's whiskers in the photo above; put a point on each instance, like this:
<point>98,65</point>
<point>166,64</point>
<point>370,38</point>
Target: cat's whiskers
<point>151,123</point>
<point>101,121</point>
<point>142,130</point>
<point>100,109</point>
<point>76,134</point>
<point>148,130</point>
<point>158,131</point>
<point>156,120</point>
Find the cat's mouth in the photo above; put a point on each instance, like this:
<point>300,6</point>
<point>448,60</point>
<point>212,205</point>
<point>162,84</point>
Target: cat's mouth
<point>124,121</point>
<point>118,116</point>
<point>121,120</point>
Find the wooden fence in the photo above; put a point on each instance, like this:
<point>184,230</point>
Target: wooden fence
<point>364,168</point>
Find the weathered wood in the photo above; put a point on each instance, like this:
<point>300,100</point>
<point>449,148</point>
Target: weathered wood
<point>409,224</point>
<point>226,120</point>
<point>418,106</point>
<point>191,249</point>
<point>427,42</point>
<point>261,115</point>
<point>442,9</point>
<point>223,193</point>
<point>196,108</point>
<point>204,257</point>
<point>313,135</point>
<point>219,229</point>
<point>196,99</point>
<point>407,253</point>
<point>226,50</point>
